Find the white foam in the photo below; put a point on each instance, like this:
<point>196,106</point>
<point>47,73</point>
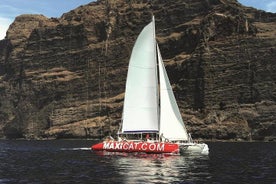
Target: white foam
<point>75,149</point>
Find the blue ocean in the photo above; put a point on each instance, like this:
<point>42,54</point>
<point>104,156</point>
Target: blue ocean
<point>72,161</point>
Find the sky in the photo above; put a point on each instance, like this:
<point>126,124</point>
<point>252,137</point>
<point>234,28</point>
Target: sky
<point>9,9</point>
<point>267,5</point>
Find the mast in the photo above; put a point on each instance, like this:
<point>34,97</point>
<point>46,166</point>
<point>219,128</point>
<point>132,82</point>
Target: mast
<point>156,72</point>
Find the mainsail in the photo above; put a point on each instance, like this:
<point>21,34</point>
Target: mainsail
<point>140,112</point>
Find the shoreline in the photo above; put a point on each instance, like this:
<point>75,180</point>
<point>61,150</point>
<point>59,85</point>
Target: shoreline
<point>99,139</point>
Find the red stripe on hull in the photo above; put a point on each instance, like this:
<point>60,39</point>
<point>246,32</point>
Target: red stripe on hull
<point>145,147</point>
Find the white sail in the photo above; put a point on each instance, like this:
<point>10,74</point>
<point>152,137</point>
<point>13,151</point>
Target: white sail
<point>171,123</point>
<point>140,113</point>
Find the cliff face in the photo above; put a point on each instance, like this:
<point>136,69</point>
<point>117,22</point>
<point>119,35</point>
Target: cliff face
<point>65,77</point>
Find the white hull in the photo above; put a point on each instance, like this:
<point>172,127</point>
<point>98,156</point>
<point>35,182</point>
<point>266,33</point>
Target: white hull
<point>194,148</point>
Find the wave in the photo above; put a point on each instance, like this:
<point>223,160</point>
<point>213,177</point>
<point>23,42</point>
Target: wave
<point>75,149</point>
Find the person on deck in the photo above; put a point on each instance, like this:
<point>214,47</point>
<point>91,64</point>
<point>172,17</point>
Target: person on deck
<point>147,137</point>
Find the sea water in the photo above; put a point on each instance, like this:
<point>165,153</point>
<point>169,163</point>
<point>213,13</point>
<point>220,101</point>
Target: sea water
<point>72,161</point>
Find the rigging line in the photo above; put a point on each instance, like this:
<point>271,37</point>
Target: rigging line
<point>87,95</point>
<point>105,93</point>
<point>100,96</point>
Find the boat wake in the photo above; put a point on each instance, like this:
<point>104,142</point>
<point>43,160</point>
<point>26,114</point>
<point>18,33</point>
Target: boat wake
<point>75,149</point>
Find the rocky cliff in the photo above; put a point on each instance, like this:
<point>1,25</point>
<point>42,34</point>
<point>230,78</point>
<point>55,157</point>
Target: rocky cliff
<point>65,77</point>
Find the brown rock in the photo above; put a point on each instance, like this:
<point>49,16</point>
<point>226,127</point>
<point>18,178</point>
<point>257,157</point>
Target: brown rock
<point>65,77</point>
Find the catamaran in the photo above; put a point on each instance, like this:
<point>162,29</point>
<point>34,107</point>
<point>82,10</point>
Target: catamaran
<point>151,120</point>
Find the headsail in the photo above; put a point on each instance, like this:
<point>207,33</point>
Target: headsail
<point>140,113</point>
<point>171,123</point>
